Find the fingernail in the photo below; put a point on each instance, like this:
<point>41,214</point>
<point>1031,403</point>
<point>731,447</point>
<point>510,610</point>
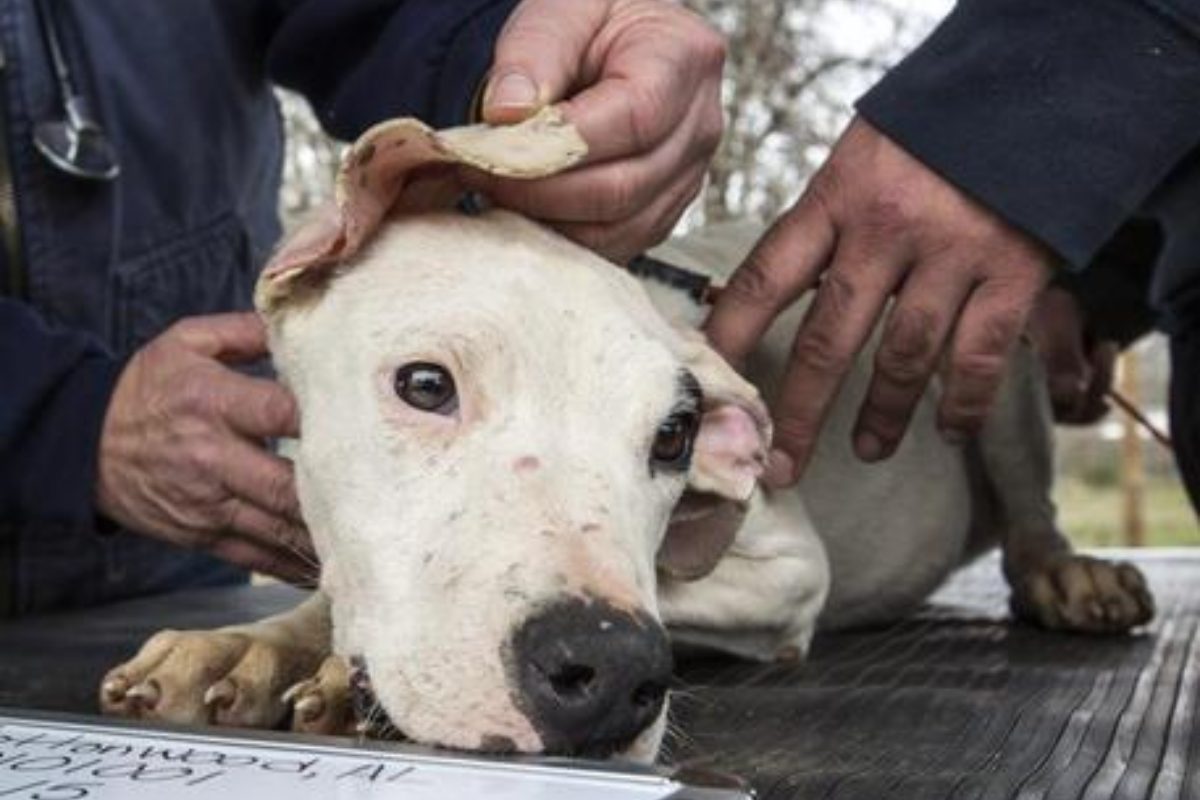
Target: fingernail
<point>781,469</point>
<point>954,437</point>
<point>868,446</point>
<point>512,90</point>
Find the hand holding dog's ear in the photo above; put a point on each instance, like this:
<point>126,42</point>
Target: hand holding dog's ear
<point>641,80</point>
<point>182,454</point>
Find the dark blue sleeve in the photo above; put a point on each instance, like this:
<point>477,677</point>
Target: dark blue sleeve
<point>1062,116</point>
<point>55,390</point>
<point>362,61</point>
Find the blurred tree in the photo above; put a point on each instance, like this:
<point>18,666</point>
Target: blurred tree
<point>794,69</point>
<point>309,163</point>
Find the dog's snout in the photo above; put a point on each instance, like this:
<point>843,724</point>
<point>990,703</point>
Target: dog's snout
<point>590,677</point>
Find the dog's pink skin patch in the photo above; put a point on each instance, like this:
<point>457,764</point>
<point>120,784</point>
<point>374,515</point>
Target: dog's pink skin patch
<point>729,448</point>
<point>526,464</point>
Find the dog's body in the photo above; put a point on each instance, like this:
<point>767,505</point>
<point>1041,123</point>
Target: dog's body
<point>500,557</point>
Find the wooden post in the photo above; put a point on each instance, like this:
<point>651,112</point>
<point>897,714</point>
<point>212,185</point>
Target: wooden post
<point>1133,472</point>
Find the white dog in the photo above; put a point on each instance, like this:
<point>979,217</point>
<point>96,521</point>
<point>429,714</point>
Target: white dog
<point>516,468</point>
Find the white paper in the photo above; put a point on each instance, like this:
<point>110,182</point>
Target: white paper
<point>64,761</point>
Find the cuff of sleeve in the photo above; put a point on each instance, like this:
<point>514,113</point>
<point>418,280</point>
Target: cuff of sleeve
<point>1114,293</point>
<point>61,473</point>
<point>1062,117</point>
<point>467,65</point>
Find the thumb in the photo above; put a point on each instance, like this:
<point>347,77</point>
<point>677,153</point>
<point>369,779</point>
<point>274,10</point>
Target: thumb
<point>539,55</point>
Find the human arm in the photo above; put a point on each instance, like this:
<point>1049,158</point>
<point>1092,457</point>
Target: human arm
<point>183,452</point>
<point>1008,94</point>
<point>169,444</point>
<point>1060,117</point>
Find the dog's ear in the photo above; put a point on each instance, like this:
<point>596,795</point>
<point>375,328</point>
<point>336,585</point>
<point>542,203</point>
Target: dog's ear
<point>404,167</point>
<point>729,455</point>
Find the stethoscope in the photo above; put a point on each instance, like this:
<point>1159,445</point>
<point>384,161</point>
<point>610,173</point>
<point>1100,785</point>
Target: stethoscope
<point>75,144</point>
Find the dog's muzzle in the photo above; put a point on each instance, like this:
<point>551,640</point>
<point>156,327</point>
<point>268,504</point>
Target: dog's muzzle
<point>589,677</point>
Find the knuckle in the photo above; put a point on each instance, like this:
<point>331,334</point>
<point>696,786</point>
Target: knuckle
<point>899,370</point>
<point>908,349</point>
<point>815,351</point>
<point>279,531</point>
<point>977,371</point>
<point>754,282</point>
<point>207,538</point>
<point>183,330</point>
<point>998,331</point>
<point>710,46</point>
<point>205,456</point>
<point>190,334</point>
<point>643,107</point>
<point>826,186</point>
<point>794,435</point>
<point>193,394</point>
<point>278,408</point>
<point>976,379</point>
<point>887,214</point>
<point>621,196</point>
<point>966,410</point>
<point>280,496</point>
<point>711,130</point>
<point>838,293</point>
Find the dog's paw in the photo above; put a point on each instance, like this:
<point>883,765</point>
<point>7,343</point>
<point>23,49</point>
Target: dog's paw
<point>323,702</point>
<point>234,676</point>
<point>1079,593</point>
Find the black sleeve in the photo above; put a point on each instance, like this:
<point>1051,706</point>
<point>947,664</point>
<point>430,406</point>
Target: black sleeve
<point>1062,116</point>
<point>1114,291</point>
<point>362,61</point>
<point>56,389</point>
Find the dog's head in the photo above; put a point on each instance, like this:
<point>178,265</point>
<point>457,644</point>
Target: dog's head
<point>502,444</point>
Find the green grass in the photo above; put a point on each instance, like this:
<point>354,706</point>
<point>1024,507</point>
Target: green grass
<point>1093,517</point>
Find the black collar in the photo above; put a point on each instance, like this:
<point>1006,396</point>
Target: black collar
<point>696,286</point>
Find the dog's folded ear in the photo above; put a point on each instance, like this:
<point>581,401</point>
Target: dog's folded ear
<point>404,167</point>
<point>729,455</point>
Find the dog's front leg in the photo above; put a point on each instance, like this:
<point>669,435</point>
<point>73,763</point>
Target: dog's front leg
<point>1051,585</point>
<point>243,675</point>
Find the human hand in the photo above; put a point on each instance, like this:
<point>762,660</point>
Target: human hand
<point>1079,368</point>
<point>182,456</point>
<point>641,80</point>
<point>875,222</point>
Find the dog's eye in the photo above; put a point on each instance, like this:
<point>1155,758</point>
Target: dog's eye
<point>672,447</point>
<point>427,387</point>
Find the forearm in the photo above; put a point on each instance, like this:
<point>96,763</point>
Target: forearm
<point>1062,117</point>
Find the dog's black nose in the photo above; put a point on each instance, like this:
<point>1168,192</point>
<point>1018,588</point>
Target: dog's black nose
<point>590,677</point>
